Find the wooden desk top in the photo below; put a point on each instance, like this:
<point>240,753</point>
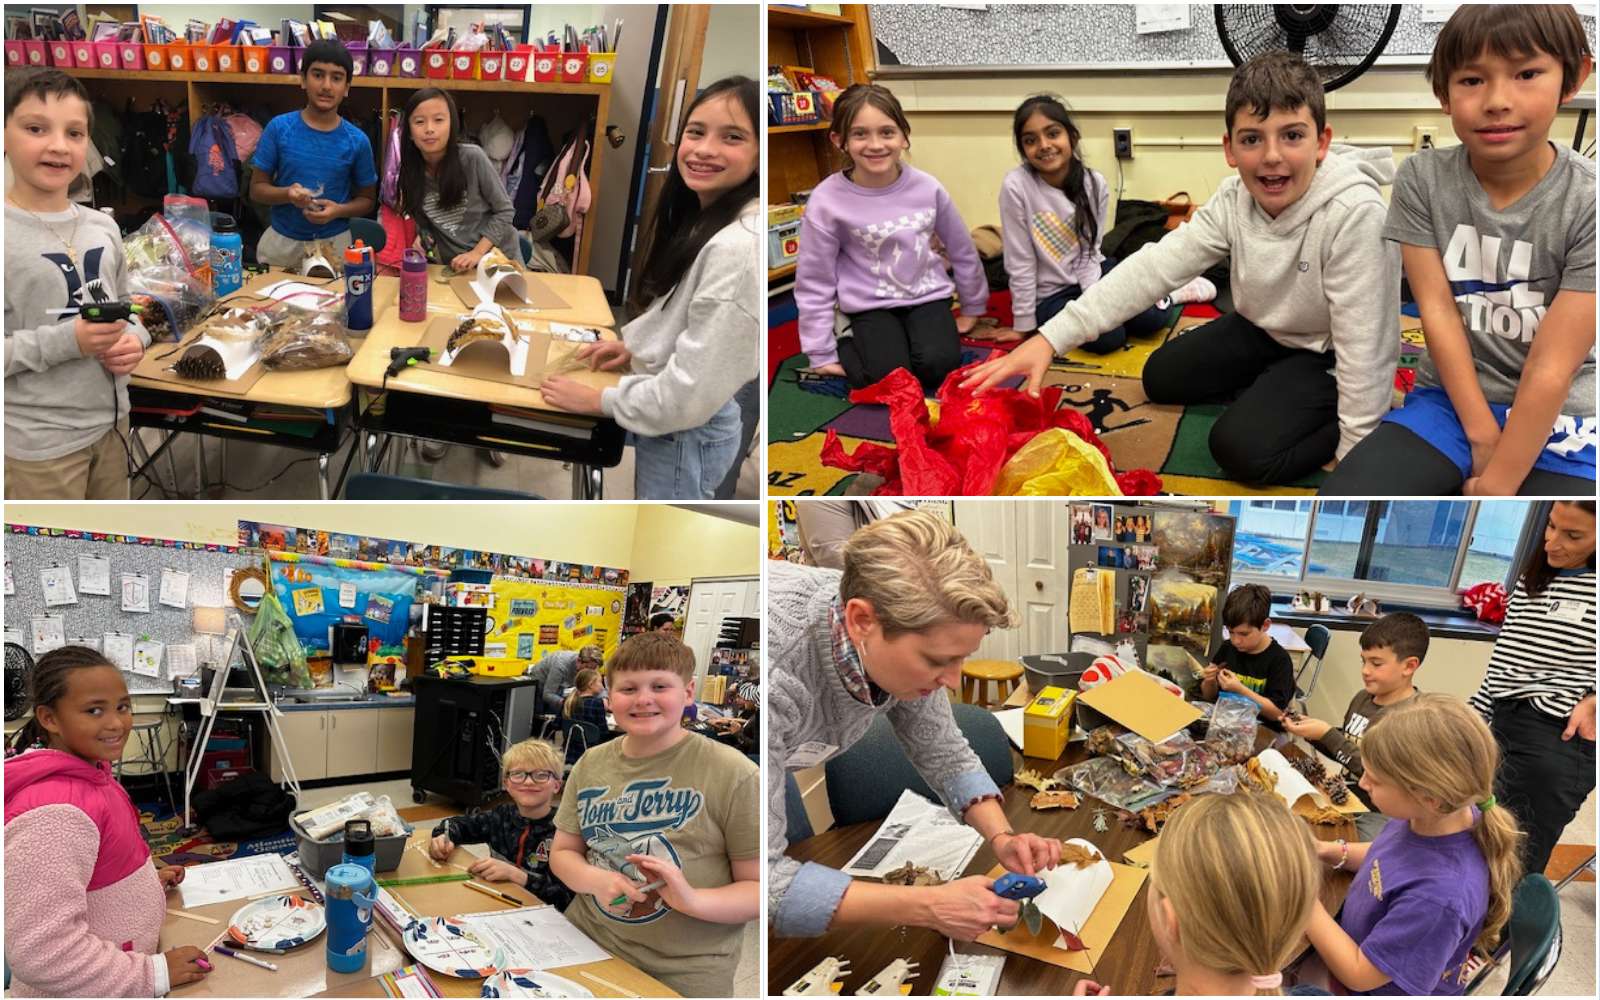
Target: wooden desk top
<point>1128,965</point>
<point>372,358</point>
<point>304,972</point>
<point>317,389</point>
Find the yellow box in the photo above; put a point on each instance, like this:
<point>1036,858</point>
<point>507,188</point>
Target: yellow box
<point>777,215</point>
<point>1047,723</point>
<point>600,66</point>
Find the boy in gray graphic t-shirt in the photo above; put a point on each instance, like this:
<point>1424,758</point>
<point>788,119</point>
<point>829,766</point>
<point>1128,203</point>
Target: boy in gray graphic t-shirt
<point>1498,237</point>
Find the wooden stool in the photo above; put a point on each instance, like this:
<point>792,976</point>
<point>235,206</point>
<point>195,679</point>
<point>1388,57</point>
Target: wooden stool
<point>976,675</point>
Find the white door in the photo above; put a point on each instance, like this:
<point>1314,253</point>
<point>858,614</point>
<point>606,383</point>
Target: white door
<point>991,527</point>
<point>710,601</point>
<point>1042,578</point>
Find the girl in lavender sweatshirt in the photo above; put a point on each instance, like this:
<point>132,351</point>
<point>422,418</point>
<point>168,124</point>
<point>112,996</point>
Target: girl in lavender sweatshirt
<point>866,247</point>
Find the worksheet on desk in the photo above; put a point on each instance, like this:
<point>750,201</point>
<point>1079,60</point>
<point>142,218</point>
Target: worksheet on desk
<point>536,937</point>
<point>236,879</point>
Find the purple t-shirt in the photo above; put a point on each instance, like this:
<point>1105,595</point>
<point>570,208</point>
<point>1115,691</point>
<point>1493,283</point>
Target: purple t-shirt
<point>1416,906</point>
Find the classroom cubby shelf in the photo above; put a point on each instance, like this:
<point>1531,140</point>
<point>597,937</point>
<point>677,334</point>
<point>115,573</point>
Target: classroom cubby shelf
<point>563,105</point>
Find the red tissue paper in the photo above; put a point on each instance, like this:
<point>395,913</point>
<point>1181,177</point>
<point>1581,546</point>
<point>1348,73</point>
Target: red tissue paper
<point>963,453</point>
<point>1488,601</point>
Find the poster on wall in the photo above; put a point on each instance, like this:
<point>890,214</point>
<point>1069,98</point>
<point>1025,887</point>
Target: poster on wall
<point>1193,553</point>
<point>672,601</point>
<point>310,592</point>
<point>530,618</point>
<point>636,612</point>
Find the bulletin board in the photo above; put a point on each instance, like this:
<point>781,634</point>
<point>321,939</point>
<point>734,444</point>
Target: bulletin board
<point>317,592</point>
<point>1028,36</point>
<point>29,551</point>
<point>533,617</point>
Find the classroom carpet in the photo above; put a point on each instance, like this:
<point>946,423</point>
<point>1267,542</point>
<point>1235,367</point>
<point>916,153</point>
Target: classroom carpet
<point>1167,440</point>
<point>163,831</point>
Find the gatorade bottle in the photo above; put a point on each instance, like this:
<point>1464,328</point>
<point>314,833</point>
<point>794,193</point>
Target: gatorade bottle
<point>350,898</point>
<point>358,272</point>
<point>227,266</point>
<point>414,286</point>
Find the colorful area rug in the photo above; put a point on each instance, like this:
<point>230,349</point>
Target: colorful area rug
<point>1167,440</point>
<point>163,831</point>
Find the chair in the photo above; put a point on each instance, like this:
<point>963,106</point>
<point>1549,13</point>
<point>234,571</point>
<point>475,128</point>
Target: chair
<point>1532,938</point>
<point>1317,637</point>
<point>149,735</point>
<point>866,780</point>
<point>379,486</point>
<point>797,822</point>
<point>586,735</point>
<point>370,232</point>
<point>977,674</point>
<point>526,246</point>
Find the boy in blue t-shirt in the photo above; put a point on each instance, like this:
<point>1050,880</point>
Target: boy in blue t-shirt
<point>314,168</point>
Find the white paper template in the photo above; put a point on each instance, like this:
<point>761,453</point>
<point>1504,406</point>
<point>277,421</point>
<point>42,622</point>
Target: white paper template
<point>347,595</point>
<point>135,592</point>
<point>535,937</point>
<point>147,658</point>
<point>94,575</point>
<point>235,879</point>
<point>921,832</point>
<point>117,648</point>
<point>181,660</point>
<point>57,583</point>
<point>1292,785</point>
<point>1074,892</point>
<point>47,634</point>
<point>174,588</point>
<point>1153,17</point>
<point>86,641</point>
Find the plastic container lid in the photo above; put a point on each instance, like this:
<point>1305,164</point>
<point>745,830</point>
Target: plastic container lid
<point>352,254</point>
<point>358,840</point>
<point>224,224</point>
<point>343,879</point>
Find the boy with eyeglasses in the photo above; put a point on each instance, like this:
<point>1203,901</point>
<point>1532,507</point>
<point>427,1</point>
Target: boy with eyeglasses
<point>521,830</point>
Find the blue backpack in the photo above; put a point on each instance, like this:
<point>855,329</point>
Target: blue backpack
<point>216,160</point>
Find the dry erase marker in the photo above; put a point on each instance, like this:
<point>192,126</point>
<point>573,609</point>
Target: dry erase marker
<point>658,883</point>
<point>245,958</point>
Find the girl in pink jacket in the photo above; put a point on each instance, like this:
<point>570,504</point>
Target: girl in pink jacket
<point>83,901</point>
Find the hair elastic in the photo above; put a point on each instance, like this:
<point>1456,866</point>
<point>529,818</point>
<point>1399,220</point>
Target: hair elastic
<point>1268,982</point>
<point>1486,805</point>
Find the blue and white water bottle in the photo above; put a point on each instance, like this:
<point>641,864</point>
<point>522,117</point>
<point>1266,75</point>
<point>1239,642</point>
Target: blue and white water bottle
<point>227,267</point>
<point>350,898</point>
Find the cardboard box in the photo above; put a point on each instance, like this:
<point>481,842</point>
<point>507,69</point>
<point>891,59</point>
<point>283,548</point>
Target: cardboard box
<point>1136,701</point>
<point>1047,723</point>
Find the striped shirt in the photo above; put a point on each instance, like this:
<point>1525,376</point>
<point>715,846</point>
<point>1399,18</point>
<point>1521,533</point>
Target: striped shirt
<point>1546,649</point>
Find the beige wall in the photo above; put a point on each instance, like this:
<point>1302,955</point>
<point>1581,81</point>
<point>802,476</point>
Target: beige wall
<point>672,546</point>
<point>1452,666</point>
<point>961,126</point>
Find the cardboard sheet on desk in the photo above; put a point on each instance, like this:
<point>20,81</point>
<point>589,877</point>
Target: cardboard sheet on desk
<point>540,295</point>
<point>487,360</point>
<point>1097,933</point>
<point>159,358</point>
<point>1135,700</point>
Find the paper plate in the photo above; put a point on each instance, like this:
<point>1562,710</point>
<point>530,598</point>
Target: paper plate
<point>450,946</point>
<point>278,922</point>
<point>531,983</point>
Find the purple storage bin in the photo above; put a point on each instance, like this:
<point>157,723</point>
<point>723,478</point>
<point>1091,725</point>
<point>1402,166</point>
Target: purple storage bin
<point>407,62</point>
<point>380,62</point>
<point>283,59</point>
<point>358,58</point>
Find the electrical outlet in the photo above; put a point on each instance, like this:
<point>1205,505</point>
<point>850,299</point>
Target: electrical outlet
<point>1423,137</point>
<point>1122,143</point>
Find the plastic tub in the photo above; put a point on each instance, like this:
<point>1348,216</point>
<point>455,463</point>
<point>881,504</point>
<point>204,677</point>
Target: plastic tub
<point>380,62</point>
<point>228,59</point>
<point>436,64</point>
<point>574,66</point>
<point>358,58</point>
<point>60,53</point>
<point>491,65</point>
<point>407,62</point>
<point>317,856</point>
<point>82,54</point>
<point>600,66</point>
<point>546,66</point>
<point>255,59</point>
<point>281,59</point>
<point>205,58</point>
<point>517,62</point>
<point>155,56</point>
<point>179,58</point>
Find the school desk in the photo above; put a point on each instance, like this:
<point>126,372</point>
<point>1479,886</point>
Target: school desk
<point>1127,965</point>
<point>303,971</point>
<point>429,402</point>
<point>167,407</point>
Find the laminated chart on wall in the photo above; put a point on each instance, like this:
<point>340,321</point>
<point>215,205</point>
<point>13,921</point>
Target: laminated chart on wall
<point>312,590</point>
<point>1092,606</point>
<point>530,618</point>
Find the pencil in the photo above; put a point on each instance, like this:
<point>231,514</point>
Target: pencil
<point>514,901</point>
<point>191,916</point>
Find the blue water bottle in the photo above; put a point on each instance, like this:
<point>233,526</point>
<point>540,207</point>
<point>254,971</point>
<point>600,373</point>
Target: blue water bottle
<point>227,266</point>
<point>359,847</point>
<point>358,272</point>
<point>350,898</point>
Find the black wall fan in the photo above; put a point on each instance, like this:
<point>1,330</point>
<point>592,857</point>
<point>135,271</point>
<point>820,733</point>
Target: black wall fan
<point>1340,40</point>
<point>18,662</point>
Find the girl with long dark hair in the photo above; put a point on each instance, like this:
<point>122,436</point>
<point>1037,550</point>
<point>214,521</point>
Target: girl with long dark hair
<point>698,283</point>
<point>451,189</point>
<point>1052,218</point>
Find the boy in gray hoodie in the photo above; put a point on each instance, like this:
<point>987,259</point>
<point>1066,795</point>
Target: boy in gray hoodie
<point>1308,358</point>
<point>66,388</point>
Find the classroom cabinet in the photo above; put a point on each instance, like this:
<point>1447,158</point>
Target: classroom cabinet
<point>563,105</point>
<point>346,743</point>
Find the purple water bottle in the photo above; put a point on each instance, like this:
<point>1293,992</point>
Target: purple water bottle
<point>414,286</point>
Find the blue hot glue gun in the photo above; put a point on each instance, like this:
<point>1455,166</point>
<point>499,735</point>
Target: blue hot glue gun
<point>1014,886</point>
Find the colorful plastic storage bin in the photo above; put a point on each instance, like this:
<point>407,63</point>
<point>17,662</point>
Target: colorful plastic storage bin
<point>38,54</point>
<point>546,66</point>
<point>60,53</point>
<point>407,62</point>
<point>491,65</point>
<point>463,65</point>
<point>16,53</point>
<point>436,64</point>
<point>82,54</point>
<point>517,63</point>
<point>255,59</point>
<point>574,66</point>
<point>380,62</point>
<point>282,59</point>
<point>179,57</point>
<point>358,57</point>
<point>600,66</point>
<point>229,58</point>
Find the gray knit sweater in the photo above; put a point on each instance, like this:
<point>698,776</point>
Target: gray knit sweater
<point>56,400</point>
<point>810,705</point>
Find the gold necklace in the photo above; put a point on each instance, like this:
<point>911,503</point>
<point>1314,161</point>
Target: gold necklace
<point>77,217</point>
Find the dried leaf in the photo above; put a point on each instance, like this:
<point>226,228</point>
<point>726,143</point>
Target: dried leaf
<point>909,874</point>
<point>1100,823</point>
<point>1033,916</point>
<point>1054,800</point>
<point>1077,854</point>
<point>1030,778</point>
<point>1308,809</point>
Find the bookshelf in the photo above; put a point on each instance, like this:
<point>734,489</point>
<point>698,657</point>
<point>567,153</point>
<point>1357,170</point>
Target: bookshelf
<point>839,46</point>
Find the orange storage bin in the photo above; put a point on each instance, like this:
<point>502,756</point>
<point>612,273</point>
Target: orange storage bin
<point>228,58</point>
<point>180,57</point>
<point>155,56</point>
<point>254,59</point>
<point>204,58</point>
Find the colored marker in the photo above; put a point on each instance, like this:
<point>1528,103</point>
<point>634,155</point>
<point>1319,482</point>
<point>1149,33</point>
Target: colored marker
<point>245,958</point>
<point>205,966</point>
<point>658,883</point>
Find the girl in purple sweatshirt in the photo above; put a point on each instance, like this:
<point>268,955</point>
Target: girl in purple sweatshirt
<point>1052,218</point>
<point>84,903</point>
<point>866,248</point>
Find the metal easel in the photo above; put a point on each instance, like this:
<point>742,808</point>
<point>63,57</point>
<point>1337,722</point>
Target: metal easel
<point>213,705</point>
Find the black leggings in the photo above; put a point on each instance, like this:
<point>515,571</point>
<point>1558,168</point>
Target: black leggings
<point>1394,461</point>
<point>921,339</point>
<point>1284,421</point>
<point>1543,779</point>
